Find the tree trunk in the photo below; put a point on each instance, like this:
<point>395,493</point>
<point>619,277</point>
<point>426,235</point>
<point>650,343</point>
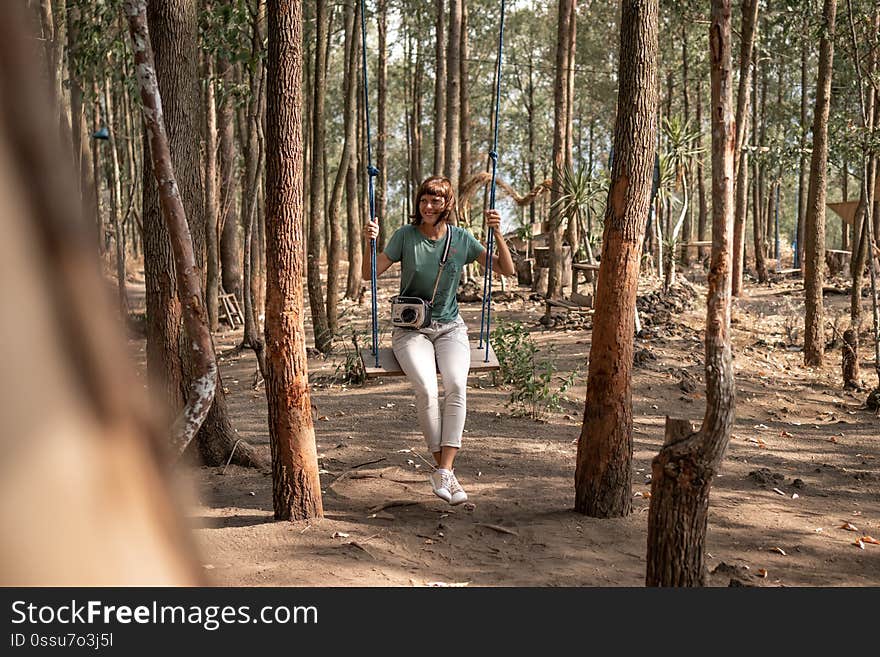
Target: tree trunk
<point>687,230</point>
<point>173,24</point>
<point>323,322</point>
<point>295,484</point>
<point>116,197</point>
<point>382,128</point>
<point>571,228</point>
<point>814,227</point>
<point>212,259</point>
<point>227,216</point>
<point>464,111</point>
<point>702,219</point>
<point>757,204</point>
<point>683,471</point>
<point>806,45</point>
<point>82,144</point>
<point>203,374</point>
<point>439,91</point>
<point>741,158</point>
<point>560,123</point>
<point>354,284</point>
<point>452,155</point>
<point>603,479</point>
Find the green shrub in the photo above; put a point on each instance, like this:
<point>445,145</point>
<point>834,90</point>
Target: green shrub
<point>537,388</point>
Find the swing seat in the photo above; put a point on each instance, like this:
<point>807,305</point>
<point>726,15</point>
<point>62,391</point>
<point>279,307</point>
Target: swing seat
<point>388,365</point>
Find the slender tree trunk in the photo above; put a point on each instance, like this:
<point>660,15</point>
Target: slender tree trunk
<point>354,284</point>
<point>757,204</point>
<point>439,91</point>
<point>189,281</point>
<point>212,259</point>
<point>687,228</point>
<point>603,480</point>
<point>96,175</point>
<point>323,319</point>
<point>295,483</point>
<point>741,158</point>
<point>683,471</point>
<point>802,169</point>
<point>452,156</point>
<point>382,127</point>
<point>464,111</point>
<point>226,216</point>
<point>701,186</point>
<point>844,191</point>
<point>571,228</point>
<point>116,196</point>
<point>560,123</point>
<point>174,26</point>
<point>814,253</point>
<point>82,145</point>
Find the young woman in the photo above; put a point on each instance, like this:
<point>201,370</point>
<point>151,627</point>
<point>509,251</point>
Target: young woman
<point>418,248</point>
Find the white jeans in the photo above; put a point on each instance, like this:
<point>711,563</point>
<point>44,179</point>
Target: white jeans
<point>421,352</point>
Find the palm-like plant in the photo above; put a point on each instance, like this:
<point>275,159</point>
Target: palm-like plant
<point>581,195</point>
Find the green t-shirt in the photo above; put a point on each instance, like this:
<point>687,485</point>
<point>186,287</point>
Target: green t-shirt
<point>419,259</point>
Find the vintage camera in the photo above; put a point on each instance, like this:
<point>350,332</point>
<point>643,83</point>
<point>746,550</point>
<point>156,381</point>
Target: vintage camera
<point>410,312</point>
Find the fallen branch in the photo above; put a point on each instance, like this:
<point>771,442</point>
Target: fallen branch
<point>497,528</point>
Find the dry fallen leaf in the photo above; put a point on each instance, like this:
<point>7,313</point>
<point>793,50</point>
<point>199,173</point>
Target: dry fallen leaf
<point>870,539</point>
<point>339,535</point>
<point>779,550</point>
<point>848,526</point>
<point>761,572</point>
<point>832,439</point>
<point>859,544</point>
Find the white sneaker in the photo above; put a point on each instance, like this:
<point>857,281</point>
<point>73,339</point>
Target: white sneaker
<point>458,495</point>
<point>439,480</point>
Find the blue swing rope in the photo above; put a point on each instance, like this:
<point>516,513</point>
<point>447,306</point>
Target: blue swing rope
<point>486,311</point>
<point>372,172</point>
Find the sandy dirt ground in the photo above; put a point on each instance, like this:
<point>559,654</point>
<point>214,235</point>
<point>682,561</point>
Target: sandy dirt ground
<point>798,488</point>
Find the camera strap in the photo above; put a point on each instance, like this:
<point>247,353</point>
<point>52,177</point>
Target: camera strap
<point>442,262</point>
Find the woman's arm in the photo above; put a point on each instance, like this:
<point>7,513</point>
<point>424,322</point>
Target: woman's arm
<point>503,262</point>
<point>371,231</point>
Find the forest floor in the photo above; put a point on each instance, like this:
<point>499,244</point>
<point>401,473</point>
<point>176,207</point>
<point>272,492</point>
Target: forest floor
<point>799,485</point>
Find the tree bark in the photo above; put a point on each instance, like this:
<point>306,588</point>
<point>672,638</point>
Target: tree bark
<point>212,252</point>
<point>323,318</point>
<point>603,480</point>
<point>741,158</point>
<point>814,227</point>
<point>189,281</point>
<point>354,284</point>
<point>439,92</point>
<point>173,24</point>
<point>701,186</point>
<point>227,226</point>
<point>382,127</point>
<point>683,471</point>
<point>116,202</point>
<point>757,204</point>
<point>802,169</point>
<point>295,483</point>
<point>560,125</point>
<point>452,155</point>
<point>464,110</point>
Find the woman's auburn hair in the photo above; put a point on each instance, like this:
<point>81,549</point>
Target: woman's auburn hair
<point>436,186</point>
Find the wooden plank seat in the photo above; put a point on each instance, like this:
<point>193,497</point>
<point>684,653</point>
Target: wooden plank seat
<point>388,365</point>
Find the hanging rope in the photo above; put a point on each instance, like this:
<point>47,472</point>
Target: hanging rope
<point>372,172</point>
<point>486,311</point>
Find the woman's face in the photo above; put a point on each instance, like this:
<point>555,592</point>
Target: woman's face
<point>431,207</point>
